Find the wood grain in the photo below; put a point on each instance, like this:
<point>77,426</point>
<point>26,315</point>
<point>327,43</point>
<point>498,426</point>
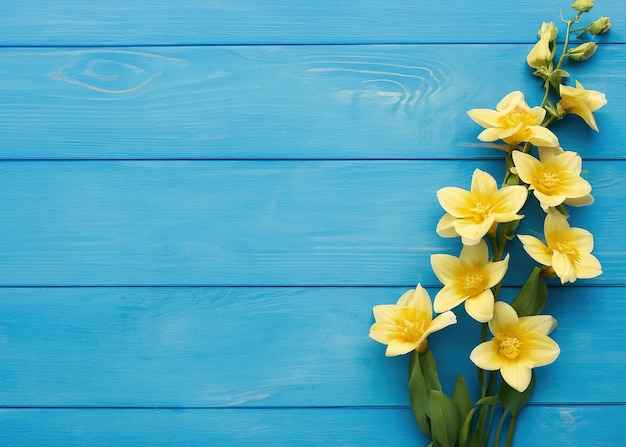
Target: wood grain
<point>539,426</point>
<point>255,222</point>
<point>267,347</point>
<point>285,102</point>
<point>193,22</point>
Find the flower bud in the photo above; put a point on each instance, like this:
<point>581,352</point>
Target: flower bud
<point>600,26</point>
<point>543,51</point>
<point>582,5</point>
<point>582,52</point>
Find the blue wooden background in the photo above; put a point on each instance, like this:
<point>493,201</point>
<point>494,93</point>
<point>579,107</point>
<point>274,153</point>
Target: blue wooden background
<point>200,202</point>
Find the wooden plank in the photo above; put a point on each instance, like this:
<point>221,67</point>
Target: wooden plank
<point>193,22</point>
<point>280,102</point>
<point>539,426</point>
<point>267,347</point>
<point>255,222</point>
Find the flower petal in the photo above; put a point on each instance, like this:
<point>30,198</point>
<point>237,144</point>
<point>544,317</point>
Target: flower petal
<point>480,307</point>
<point>485,117</point>
<point>483,183</point>
<point>441,321</point>
<point>474,254</point>
<point>516,375</point>
<point>496,271</point>
<point>486,357</point>
<point>588,266</point>
<point>540,350</point>
<point>420,300</point>
<point>399,347</point>
<point>543,324</point>
<point>386,312</point>
<point>503,315</point>
<point>455,201</point>
<point>541,136</point>
<point>527,166</point>
<point>447,298</point>
<point>563,267</point>
<point>445,226</point>
<point>536,249</point>
<point>446,267</point>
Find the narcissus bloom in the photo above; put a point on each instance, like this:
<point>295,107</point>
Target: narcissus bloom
<point>518,345</point>
<point>474,213</point>
<point>555,177</point>
<point>405,325</point>
<point>514,122</point>
<point>568,251</point>
<point>581,102</point>
<point>468,279</point>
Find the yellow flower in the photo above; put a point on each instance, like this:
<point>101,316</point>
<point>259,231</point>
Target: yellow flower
<point>581,102</point>
<point>555,177</point>
<point>518,345</point>
<point>405,325</point>
<point>472,214</point>
<point>568,251</point>
<point>468,278</point>
<point>543,51</point>
<point>514,122</point>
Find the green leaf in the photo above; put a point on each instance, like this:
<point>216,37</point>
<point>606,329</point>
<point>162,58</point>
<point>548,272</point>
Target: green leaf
<point>513,400</point>
<point>461,397</point>
<point>488,400</point>
<point>445,419</point>
<point>532,296</point>
<point>429,369</point>
<point>419,392</point>
<point>465,429</point>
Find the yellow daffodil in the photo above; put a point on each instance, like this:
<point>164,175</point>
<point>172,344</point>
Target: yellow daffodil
<point>514,122</point>
<point>555,177</point>
<point>518,345</point>
<point>404,326</point>
<point>472,214</point>
<point>468,279</point>
<point>543,51</point>
<point>568,251</point>
<point>581,102</point>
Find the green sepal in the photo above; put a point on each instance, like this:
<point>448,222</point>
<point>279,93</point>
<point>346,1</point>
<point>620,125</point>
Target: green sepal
<point>532,296</point>
<point>509,177</point>
<point>445,419</point>
<point>418,393</point>
<point>513,400</point>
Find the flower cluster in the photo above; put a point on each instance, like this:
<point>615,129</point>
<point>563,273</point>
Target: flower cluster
<point>486,218</point>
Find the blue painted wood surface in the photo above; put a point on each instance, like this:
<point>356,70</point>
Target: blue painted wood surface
<point>201,202</point>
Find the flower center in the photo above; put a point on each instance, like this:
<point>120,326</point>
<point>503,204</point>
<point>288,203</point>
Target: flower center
<point>482,209</point>
<point>411,325</point>
<point>509,347</point>
<point>473,282</point>
<point>516,116</point>
<point>567,249</point>
<point>547,180</point>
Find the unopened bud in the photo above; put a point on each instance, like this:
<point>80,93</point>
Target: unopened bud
<point>600,26</point>
<point>582,5</point>
<point>582,52</point>
<point>543,51</point>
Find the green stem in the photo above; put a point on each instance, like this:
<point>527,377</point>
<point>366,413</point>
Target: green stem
<point>488,433</point>
<point>509,436</point>
<point>499,429</point>
<point>546,95</point>
<point>566,43</point>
